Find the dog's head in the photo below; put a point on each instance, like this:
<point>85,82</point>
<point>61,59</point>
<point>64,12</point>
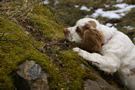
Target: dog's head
<point>86,32</point>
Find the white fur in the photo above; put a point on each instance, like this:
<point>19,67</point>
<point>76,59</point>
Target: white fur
<point>73,36</point>
<point>117,55</point>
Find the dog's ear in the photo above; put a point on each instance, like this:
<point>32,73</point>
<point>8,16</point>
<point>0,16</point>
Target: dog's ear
<point>92,39</point>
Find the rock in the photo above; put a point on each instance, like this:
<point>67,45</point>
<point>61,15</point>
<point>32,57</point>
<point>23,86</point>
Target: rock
<point>91,85</point>
<point>34,75</point>
<point>98,85</point>
<point>84,66</point>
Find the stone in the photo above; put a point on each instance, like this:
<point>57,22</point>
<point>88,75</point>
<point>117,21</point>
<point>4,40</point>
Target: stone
<point>34,75</point>
<point>98,85</point>
<point>91,85</point>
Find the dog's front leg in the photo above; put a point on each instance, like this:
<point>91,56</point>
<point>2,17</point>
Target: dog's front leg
<point>108,62</point>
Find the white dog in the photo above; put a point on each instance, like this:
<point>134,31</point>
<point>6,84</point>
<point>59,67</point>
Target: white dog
<point>117,52</point>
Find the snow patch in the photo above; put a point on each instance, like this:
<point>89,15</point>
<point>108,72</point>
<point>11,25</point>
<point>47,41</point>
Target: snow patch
<point>123,5</point>
<point>107,14</point>
<point>109,24</point>
<point>117,14</point>
<point>56,2</point>
<point>106,5</point>
<point>119,1</point>
<point>46,2</point>
<point>85,8</point>
<point>128,27</point>
<point>76,6</point>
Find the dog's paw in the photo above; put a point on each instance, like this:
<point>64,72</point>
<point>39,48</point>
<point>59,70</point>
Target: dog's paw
<point>76,49</point>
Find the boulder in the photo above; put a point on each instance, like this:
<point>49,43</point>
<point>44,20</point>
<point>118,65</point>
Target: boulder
<point>34,75</point>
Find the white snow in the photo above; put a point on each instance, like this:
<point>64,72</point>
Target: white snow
<point>46,2</point>
<point>76,6</point>
<point>133,38</point>
<point>115,24</point>
<point>108,14</point>
<point>119,0</point>
<point>109,24</point>
<point>106,5</point>
<point>85,8</point>
<point>56,2</point>
<point>124,9</point>
<point>128,27</point>
<point>123,5</point>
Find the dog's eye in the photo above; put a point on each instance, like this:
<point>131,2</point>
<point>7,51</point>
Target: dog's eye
<point>87,26</point>
<point>78,29</point>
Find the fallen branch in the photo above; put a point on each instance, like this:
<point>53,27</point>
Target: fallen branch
<point>14,40</point>
<point>2,35</point>
<point>19,25</point>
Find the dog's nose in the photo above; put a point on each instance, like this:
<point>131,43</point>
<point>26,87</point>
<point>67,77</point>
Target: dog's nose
<point>65,30</point>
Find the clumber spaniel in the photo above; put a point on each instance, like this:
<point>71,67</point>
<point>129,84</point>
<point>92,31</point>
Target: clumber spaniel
<point>117,52</point>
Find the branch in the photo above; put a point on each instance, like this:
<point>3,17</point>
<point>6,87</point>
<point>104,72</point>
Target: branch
<point>14,40</point>
<point>2,35</point>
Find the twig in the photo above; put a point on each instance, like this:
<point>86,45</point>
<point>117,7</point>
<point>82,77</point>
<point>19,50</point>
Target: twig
<point>19,25</point>
<point>9,47</point>
<point>54,44</point>
<point>14,40</point>
<point>60,44</point>
<point>26,12</point>
<point>14,12</point>
<point>2,35</point>
<point>23,43</point>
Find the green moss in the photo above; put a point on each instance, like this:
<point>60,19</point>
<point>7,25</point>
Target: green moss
<point>14,50</point>
<point>46,23</point>
<point>71,73</point>
<point>43,11</point>
<point>17,47</point>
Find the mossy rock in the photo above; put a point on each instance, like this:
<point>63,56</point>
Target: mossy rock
<point>17,46</point>
<point>72,73</point>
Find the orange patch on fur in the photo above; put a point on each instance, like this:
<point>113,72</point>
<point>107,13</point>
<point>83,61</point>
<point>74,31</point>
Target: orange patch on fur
<point>132,72</point>
<point>92,38</point>
<point>93,24</point>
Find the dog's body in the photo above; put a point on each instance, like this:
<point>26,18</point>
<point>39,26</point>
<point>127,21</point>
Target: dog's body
<point>117,52</point>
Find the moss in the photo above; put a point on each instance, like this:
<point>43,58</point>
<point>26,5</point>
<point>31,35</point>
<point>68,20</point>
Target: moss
<point>15,51</point>
<point>71,73</point>
<point>46,23</point>
<point>43,11</point>
<point>16,47</point>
